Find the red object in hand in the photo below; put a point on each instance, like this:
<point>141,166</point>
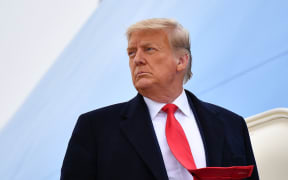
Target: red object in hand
<point>179,146</point>
<point>222,173</point>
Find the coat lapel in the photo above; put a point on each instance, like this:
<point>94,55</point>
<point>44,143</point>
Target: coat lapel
<point>211,129</point>
<point>138,129</point>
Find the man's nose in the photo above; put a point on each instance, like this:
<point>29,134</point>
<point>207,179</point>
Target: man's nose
<point>139,58</point>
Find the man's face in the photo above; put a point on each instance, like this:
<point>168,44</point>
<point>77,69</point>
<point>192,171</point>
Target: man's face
<point>151,60</point>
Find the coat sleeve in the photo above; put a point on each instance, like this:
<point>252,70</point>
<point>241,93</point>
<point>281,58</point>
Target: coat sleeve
<point>80,158</point>
<point>249,152</point>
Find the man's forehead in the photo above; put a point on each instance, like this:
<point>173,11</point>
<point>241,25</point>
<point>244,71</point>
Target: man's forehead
<point>132,44</point>
<point>146,37</point>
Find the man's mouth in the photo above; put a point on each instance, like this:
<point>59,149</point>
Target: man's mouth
<point>141,73</point>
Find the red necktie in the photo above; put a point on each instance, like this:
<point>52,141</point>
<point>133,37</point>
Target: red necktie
<point>176,139</point>
<point>180,148</point>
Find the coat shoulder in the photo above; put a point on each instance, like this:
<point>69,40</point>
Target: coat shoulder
<point>221,111</point>
<point>209,107</point>
<point>106,111</point>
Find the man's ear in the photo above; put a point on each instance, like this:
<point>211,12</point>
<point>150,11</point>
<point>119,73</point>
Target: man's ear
<point>182,61</point>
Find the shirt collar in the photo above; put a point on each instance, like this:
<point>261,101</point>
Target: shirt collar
<point>153,106</point>
<point>181,102</point>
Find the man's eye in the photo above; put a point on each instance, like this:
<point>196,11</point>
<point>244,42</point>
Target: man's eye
<point>149,49</point>
<point>131,53</point>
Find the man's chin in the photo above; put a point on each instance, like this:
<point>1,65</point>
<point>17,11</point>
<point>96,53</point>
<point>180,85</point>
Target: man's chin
<point>142,85</point>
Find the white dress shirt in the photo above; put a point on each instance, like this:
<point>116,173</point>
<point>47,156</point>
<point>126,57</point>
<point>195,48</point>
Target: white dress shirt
<point>187,120</point>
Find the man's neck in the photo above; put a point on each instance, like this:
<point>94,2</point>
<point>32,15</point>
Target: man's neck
<point>163,97</point>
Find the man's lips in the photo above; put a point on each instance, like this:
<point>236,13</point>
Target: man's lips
<point>142,73</point>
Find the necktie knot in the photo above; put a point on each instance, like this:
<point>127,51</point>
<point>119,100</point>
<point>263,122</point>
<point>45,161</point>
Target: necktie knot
<point>170,108</point>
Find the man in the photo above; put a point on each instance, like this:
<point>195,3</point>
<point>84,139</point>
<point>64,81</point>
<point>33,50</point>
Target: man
<point>143,138</point>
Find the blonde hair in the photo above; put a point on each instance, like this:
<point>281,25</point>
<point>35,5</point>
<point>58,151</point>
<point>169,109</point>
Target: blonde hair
<point>177,35</point>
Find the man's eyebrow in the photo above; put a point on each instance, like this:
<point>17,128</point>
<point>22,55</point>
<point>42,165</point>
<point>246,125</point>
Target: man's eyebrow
<point>130,48</point>
<point>147,44</point>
